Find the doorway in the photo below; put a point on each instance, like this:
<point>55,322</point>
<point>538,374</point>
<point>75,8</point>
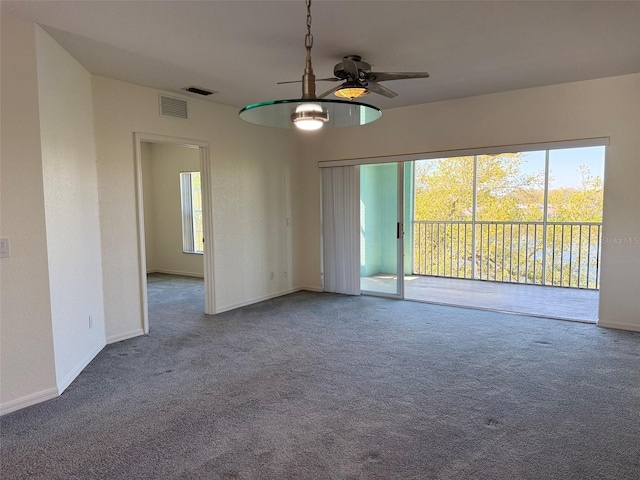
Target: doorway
<point>174,214</point>
<point>381,229</point>
<point>516,231</point>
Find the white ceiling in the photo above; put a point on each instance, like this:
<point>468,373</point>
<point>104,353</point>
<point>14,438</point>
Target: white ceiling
<point>242,48</point>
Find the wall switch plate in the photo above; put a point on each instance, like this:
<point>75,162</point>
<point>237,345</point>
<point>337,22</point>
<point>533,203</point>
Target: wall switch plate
<point>5,248</point>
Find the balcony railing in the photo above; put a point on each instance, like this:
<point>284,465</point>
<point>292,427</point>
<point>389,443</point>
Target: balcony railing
<point>564,254</point>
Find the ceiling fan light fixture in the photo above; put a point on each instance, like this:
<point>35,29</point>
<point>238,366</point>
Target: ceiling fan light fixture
<point>310,112</point>
<point>351,91</point>
<point>309,116</point>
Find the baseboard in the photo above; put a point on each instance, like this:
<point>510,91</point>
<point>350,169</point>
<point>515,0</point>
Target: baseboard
<point>71,376</point>
<point>310,289</point>
<point>226,308</point>
<point>620,326</point>
<point>176,272</point>
<point>125,336</point>
<point>28,400</point>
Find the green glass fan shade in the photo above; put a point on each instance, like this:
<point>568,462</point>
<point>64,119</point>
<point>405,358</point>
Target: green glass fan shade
<point>309,113</point>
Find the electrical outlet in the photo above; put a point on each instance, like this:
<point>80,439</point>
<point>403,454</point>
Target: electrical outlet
<point>271,275</point>
<point>90,322</point>
<point>286,273</point>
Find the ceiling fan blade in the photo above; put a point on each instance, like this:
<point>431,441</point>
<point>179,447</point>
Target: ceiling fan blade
<point>329,92</point>
<point>385,76</point>
<point>379,89</point>
<point>331,79</point>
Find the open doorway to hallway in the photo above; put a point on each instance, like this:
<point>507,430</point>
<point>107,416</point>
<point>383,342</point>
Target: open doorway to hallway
<point>174,238</point>
<point>171,200</point>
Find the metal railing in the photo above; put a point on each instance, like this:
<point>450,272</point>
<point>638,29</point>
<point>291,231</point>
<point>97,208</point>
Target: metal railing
<point>564,254</point>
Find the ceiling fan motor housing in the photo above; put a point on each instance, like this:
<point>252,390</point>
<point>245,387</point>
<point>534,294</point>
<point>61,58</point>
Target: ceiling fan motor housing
<point>363,68</point>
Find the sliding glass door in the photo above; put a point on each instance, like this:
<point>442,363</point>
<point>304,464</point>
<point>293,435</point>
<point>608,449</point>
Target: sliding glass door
<point>381,229</point>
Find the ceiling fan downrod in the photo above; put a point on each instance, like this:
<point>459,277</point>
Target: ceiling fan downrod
<point>308,78</point>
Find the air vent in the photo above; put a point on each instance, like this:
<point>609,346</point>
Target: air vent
<point>173,107</point>
<point>199,91</point>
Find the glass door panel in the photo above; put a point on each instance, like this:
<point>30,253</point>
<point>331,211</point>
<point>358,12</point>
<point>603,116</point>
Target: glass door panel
<point>380,229</point>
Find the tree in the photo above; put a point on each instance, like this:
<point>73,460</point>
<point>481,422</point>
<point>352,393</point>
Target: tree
<point>583,204</point>
<point>505,243</point>
<point>444,189</point>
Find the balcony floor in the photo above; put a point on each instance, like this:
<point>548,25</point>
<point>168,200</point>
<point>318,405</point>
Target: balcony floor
<point>552,302</point>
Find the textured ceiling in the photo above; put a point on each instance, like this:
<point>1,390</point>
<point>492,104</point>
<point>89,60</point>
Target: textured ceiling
<point>242,48</point>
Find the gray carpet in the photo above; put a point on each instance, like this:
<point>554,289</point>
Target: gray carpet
<point>322,386</point>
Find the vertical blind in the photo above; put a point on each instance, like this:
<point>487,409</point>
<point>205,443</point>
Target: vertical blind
<point>187,212</point>
<point>341,229</point>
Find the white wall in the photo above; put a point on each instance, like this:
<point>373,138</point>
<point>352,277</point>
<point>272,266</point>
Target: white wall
<point>598,108</point>
<point>71,208</point>
<point>252,171</point>
<point>27,373</point>
<point>161,167</point>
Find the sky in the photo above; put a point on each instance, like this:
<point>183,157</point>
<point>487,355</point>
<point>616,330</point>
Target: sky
<point>564,163</point>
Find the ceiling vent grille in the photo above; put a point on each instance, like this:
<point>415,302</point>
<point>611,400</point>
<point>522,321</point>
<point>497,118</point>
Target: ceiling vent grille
<point>173,107</point>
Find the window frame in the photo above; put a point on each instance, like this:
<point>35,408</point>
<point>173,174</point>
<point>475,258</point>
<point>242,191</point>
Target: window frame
<point>190,213</point>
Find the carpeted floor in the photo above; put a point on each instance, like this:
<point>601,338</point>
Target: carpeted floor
<point>322,386</point>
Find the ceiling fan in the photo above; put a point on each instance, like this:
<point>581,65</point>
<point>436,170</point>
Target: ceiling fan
<point>311,112</point>
<point>359,80</point>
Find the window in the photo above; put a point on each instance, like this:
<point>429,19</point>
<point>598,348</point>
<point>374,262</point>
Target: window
<point>191,195</point>
<point>522,217</point>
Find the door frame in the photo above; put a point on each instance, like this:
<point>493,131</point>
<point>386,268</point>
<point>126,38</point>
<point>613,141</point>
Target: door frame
<point>400,235</point>
<point>207,218</point>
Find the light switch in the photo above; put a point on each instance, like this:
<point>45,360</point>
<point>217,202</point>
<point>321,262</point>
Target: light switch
<point>5,251</point>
